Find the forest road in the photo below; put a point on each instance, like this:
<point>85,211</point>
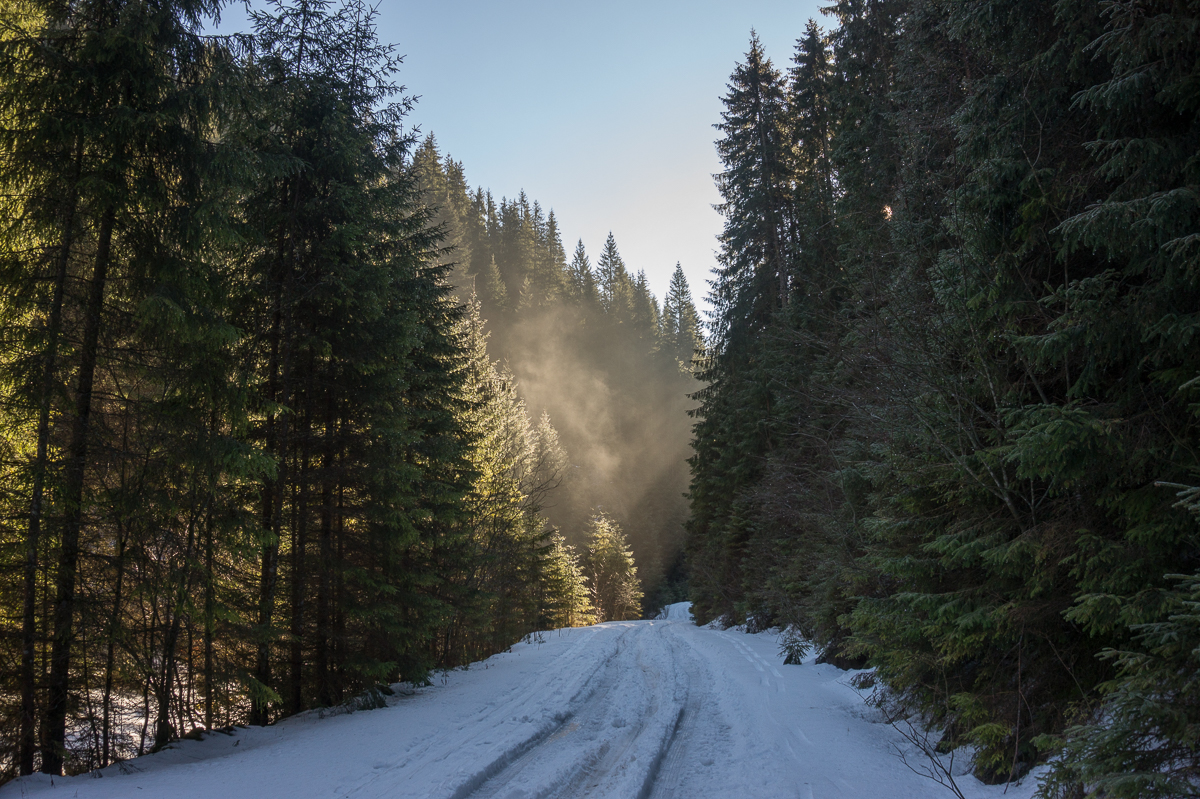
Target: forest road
<point>625,710</point>
<point>659,710</point>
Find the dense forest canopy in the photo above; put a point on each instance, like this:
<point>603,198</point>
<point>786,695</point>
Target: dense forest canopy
<point>951,420</point>
<point>274,430</point>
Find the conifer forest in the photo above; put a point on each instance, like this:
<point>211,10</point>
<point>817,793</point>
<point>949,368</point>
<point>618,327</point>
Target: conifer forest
<point>950,422</point>
<point>262,449</point>
<point>291,412</point>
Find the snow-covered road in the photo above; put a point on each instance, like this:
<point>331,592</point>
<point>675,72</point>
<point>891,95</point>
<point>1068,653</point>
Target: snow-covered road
<point>623,710</point>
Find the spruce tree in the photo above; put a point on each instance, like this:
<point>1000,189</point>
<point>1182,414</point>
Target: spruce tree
<point>616,591</point>
<point>645,314</point>
<point>444,192</point>
<point>140,88</point>
<point>680,321</point>
<point>944,448</point>
<point>752,285</point>
<point>753,279</point>
<point>1136,316</point>
<point>581,279</point>
<point>550,260</point>
<point>568,602</point>
<point>358,366</point>
<point>499,562</point>
<point>613,284</point>
<point>811,128</point>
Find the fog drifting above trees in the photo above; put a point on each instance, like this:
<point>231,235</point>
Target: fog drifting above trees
<point>589,344</point>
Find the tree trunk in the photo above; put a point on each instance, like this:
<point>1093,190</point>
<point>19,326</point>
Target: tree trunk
<point>299,536</point>
<point>324,687</point>
<point>274,491</point>
<point>163,730</point>
<point>339,599</point>
<point>209,609</point>
<point>110,651</point>
<point>259,713</point>
<point>115,618</point>
<point>53,750</point>
<point>28,731</point>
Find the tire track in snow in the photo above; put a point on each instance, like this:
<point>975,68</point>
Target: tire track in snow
<point>489,782</point>
<point>548,697</point>
<point>756,660</point>
<point>613,744</point>
<point>788,731</point>
<point>675,757</point>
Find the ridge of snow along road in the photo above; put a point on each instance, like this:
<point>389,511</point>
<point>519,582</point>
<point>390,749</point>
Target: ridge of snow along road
<point>627,710</point>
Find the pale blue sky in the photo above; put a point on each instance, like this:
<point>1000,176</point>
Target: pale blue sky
<point>601,111</point>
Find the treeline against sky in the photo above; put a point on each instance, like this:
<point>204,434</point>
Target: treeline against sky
<point>589,344</point>
<point>256,456</point>
<point>950,421</point>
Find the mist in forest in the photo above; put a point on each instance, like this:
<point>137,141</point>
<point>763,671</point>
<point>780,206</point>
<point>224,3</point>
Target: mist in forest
<point>589,344</point>
<point>623,422</point>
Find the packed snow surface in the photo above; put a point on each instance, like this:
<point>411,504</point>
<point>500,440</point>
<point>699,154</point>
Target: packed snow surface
<point>627,710</point>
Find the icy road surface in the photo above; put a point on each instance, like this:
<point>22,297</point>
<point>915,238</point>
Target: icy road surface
<point>625,710</point>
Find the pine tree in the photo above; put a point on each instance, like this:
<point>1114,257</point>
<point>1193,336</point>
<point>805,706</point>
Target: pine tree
<point>582,280</point>
<point>357,323</point>
<point>752,285</point>
<point>616,592</point>
<point>1137,316</point>
<point>445,200</point>
<point>567,600</point>
<point>549,274</point>
<point>515,243</point>
<point>127,173</point>
<point>810,115</point>
<point>925,454</point>
<point>753,279</point>
<point>492,293</point>
<point>645,316</point>
<point>498,577</point>
<point>865,152</point>
<point>614,285</point>
<point>680,321</point>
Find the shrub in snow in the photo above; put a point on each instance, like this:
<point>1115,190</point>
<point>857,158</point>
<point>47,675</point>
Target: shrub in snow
<point>793,646</point>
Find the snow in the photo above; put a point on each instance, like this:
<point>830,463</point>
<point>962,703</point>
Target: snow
<point>625,709</point>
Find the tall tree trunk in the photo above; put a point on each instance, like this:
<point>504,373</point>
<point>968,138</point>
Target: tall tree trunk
<point>53,750</point>
<point>163,730</point>
<point>115,619</point>
<point>141,750</point>
<point>274,491</point>
<point>324,687</point>
<point>209,610</point>
<point>259,713</point>
<point>299,542</point>
<point>28,732</point>
<point>339,599</point>
<point>88,710</point>
<point>110,650</point>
